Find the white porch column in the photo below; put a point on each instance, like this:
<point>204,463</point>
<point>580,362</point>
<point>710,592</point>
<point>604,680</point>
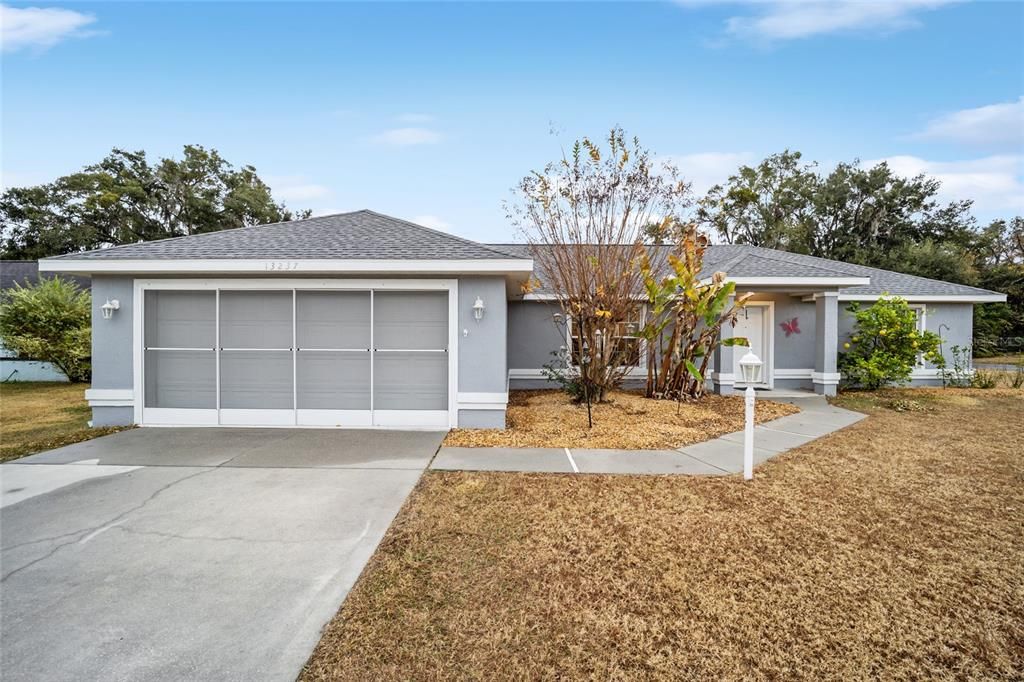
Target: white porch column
<point>826,372</point>
<point>722,378</point>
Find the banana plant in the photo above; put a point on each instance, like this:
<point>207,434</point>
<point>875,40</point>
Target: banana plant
<point>687,313</point>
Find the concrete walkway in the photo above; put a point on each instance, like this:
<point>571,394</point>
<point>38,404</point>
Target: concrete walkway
<point>723,455</point>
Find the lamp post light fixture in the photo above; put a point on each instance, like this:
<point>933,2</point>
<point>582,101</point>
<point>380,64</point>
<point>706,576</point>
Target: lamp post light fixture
<point>109,307</point>
<point>750,368</point>
<point>478,309</point>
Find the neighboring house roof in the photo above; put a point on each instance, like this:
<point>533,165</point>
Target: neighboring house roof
<point>751,263</point>
<point>26,272</point>
<point>359,235</point>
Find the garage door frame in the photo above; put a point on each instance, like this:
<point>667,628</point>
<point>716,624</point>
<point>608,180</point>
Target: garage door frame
<point>184,417</point>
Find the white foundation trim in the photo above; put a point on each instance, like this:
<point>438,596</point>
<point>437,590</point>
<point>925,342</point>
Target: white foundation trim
<point>826,378</point>
<point>723,379</point>
<point>634,373</point>
<point>110,397</point>
<point>482,401</point>
<point>794,373</point>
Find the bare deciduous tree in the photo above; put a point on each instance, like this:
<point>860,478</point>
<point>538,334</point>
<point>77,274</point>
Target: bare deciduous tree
<point>586,217</point>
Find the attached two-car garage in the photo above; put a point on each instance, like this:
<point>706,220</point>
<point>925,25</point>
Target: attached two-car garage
<point>302,353</point>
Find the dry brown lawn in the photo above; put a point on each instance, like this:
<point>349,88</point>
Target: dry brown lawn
<point>893,549</point>
<point>40,416</point>
<point>1008,359</point>
<point>548,419</point>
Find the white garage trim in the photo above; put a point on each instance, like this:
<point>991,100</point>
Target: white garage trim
<point>427,419</point>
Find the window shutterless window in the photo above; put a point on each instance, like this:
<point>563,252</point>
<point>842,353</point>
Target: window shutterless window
<point>625,340</point>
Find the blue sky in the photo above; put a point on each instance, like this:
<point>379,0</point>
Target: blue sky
<point>433,111</point>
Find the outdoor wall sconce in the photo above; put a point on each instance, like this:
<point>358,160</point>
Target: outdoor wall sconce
<point>478,309</point>
<point>109,307</point>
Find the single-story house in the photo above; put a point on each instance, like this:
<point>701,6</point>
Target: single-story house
<point>363,320</point>
<point>12,368</point>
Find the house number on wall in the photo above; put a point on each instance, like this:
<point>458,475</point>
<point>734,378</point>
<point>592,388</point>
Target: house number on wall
<point>281,265</point>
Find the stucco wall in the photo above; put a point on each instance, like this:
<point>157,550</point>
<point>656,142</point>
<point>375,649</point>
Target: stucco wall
<point>954,322</point>
<point>112,339</point>
<point>483,348</point>
<point>532,334</point>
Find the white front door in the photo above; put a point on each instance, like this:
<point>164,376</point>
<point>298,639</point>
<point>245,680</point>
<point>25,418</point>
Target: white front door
<point>753,323</point>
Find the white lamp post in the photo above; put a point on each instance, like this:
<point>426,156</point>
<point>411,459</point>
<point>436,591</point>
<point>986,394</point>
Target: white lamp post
<point>750,367</point>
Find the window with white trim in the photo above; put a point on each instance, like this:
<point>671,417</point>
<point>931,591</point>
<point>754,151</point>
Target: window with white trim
<point>628,344</point>
<point>921,318</point>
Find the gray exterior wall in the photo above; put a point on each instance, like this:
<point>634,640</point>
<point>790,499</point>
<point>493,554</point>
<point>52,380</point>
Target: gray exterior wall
<point>112,358</point>
<point>112,339</point>
<point>954,322</point>
<point>483,347</point>
<point>532,334</point>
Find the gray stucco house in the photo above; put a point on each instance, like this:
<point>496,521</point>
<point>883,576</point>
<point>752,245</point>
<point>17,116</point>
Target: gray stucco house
<point>363,320</point>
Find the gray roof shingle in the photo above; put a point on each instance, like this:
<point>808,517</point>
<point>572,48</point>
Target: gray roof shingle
<point>741,260</point>
<point>357,235</point>
<point>26,272</point>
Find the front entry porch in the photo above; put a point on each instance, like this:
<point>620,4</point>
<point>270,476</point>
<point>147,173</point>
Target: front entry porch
<point>794,333</point>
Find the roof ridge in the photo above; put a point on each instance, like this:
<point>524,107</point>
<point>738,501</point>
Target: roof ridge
<point>439,232</point>
<point>203,234</point>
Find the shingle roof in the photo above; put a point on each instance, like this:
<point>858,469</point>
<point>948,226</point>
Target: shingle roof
<point>357,235</point>
<point>25,272</point>
<point>741,260</point>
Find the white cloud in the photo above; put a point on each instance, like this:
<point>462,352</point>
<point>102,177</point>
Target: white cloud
<point>992,125</point>
<point>415,118</point>
<point>995,183</point>
<point>706,169</point>
<point>290,188</point>
<point>405,137</point>
<point>431,221</point>
<point>39,27</point>
<point>774,20</point>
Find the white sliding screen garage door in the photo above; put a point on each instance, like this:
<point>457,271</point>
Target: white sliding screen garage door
<point>296,357</point>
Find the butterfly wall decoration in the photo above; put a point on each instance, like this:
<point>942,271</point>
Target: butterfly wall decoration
<point>791,326</point>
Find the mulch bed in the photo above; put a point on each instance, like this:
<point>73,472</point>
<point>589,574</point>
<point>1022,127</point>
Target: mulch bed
<point>548,419</point>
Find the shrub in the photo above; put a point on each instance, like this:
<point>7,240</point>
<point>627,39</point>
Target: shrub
<point>886,345</point>
<point>49,321</point>
<point>560,372</point>
<point>959,374</point>
<point>984,378</point>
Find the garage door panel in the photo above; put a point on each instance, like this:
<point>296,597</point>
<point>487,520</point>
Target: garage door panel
<point>180,379</point>
<point>256,319</point>
<point>256,380</point>
<point>332,319</point>
<point>180,319</point>
<point>410,381</point>
<point>410,320</point>
<point>333,380</point>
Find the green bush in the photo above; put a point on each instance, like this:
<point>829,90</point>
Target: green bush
<point>886,345</point>
<point>49,321</point>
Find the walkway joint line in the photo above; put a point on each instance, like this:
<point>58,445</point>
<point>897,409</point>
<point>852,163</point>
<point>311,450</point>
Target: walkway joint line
<point>572,462</point>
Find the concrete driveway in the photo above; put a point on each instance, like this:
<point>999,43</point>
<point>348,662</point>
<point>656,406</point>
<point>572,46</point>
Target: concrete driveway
<point>162,553</point>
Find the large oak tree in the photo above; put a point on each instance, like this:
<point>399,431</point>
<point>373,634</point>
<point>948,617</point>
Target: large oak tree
<point>125,199</point>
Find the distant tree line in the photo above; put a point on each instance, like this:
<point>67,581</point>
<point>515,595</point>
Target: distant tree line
<point>125,199</point>
<point>873,217</point>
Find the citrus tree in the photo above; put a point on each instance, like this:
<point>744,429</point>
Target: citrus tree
<point>886,345</point>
